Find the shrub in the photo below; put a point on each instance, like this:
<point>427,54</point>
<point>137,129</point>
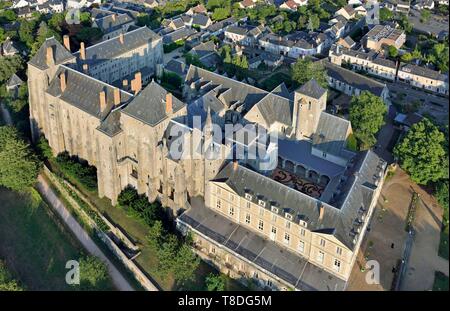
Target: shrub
<point>78,169</point>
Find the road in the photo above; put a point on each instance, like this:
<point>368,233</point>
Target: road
<point>119,281</point>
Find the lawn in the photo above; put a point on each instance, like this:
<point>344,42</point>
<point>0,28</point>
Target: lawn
<point>440,282</point>
<point>34,247</point>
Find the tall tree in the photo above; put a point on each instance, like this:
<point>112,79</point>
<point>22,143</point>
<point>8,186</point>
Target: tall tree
<point>19,166</point>
<point>305,70</point>
<point>422,153</point>
<point>93,273</point>
<point>367,113</point>
<point>215,282</point>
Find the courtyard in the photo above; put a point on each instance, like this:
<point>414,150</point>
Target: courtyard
<point>296,182</point>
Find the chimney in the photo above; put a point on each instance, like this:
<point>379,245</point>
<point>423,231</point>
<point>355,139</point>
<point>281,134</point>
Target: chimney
<point>82,51</point>
<point>86,68</point>
<point>102,98</point>
<point>321,212</point>
<point>113,17</point>
<point>169,108</point>
<point>121,38</point>
<point>66,42</point>
<point>62,80</point>
<point>50,57</point>
<point>116,96</point>
<point>136,84</point>
<point>235,165</point>
<point>125,83</point>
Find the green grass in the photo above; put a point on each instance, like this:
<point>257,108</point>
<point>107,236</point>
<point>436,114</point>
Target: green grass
<point>440,281</point>
<point>34,245</point>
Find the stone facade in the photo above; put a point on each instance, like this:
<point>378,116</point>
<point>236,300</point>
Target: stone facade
<point>312,207</point>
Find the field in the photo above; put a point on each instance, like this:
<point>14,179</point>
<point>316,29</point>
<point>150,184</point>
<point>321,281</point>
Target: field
<point>32,244</point>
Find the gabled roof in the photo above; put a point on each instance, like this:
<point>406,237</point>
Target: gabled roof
<point>106,50</point>
<point>200,19</point>
<point>14,81</point>
<point>83,91</point>
<point>149,106</point>
<point>331,134</point>
<point>312,89</point>
<point>110,23</point>
<point>354,79</point>
<point>60,54</point>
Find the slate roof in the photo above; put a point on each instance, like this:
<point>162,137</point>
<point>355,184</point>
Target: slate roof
<point>112,48</point>
<point>61,54</point>
<point>111,125</point>
<point>179,34</point>
<point>149,106</point>
<point>354,79</point>
<point>423,71</point>
<point>204,49</point>
<point>8,47</point>
<point>331,133</point>
<point>312,89</point>
<point>338,219</point>
<point>237,30</point>
<point>99,13</point>
<point>83,92</point>
<point>279,261</point>
<point>221,24</point>
<point>176,66</point>
<point>113,22</point>
<point>200,19</point>
<point>14,81</point>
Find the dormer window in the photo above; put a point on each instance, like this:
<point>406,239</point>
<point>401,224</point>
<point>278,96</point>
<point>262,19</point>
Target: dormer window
<point>274,209</point>
<point>288,216</point>
<point>248,196</point>
<point>262,203</point>
<point>303,223</point>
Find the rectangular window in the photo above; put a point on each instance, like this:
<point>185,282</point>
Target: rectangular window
<point>248,204</point>
<point>231,211</point>
<point>337,265</point>
<point>219,203</point>
<point>261,225</point>
<point>320,256</point>
<point>301,246</point>
<point>302,232</point>
<point>322,242</point>
<point>338,250</point>
<point>274,218</point>
<point>247,218</point>
<point>261,212</point>
<point>287,238</point>
<point>288,224</point>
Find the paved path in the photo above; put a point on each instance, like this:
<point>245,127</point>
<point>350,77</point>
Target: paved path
<point>119,281</point>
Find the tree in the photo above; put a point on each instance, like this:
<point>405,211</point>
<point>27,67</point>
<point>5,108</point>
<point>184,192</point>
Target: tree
<point>9,65</point>
<point>44,150</point>
<point>305,70</point>
<point>26,32</point>
<point>367,113</point>
<point>392,51</point>
<point>441,193</point>
<point>220,14</point>
<point>313,22</point>
<point>89,34</point>
<point>386,14</point>
<point>43,33</point>
<point>405,24</point>
<point>93,273</point>
<point>215,282</point>
<point>425,15</point>
<point>126,196</point>
<point>19,166</point>
<point>7,283</point>
<point>422,153</point>
<point>186,262</point>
